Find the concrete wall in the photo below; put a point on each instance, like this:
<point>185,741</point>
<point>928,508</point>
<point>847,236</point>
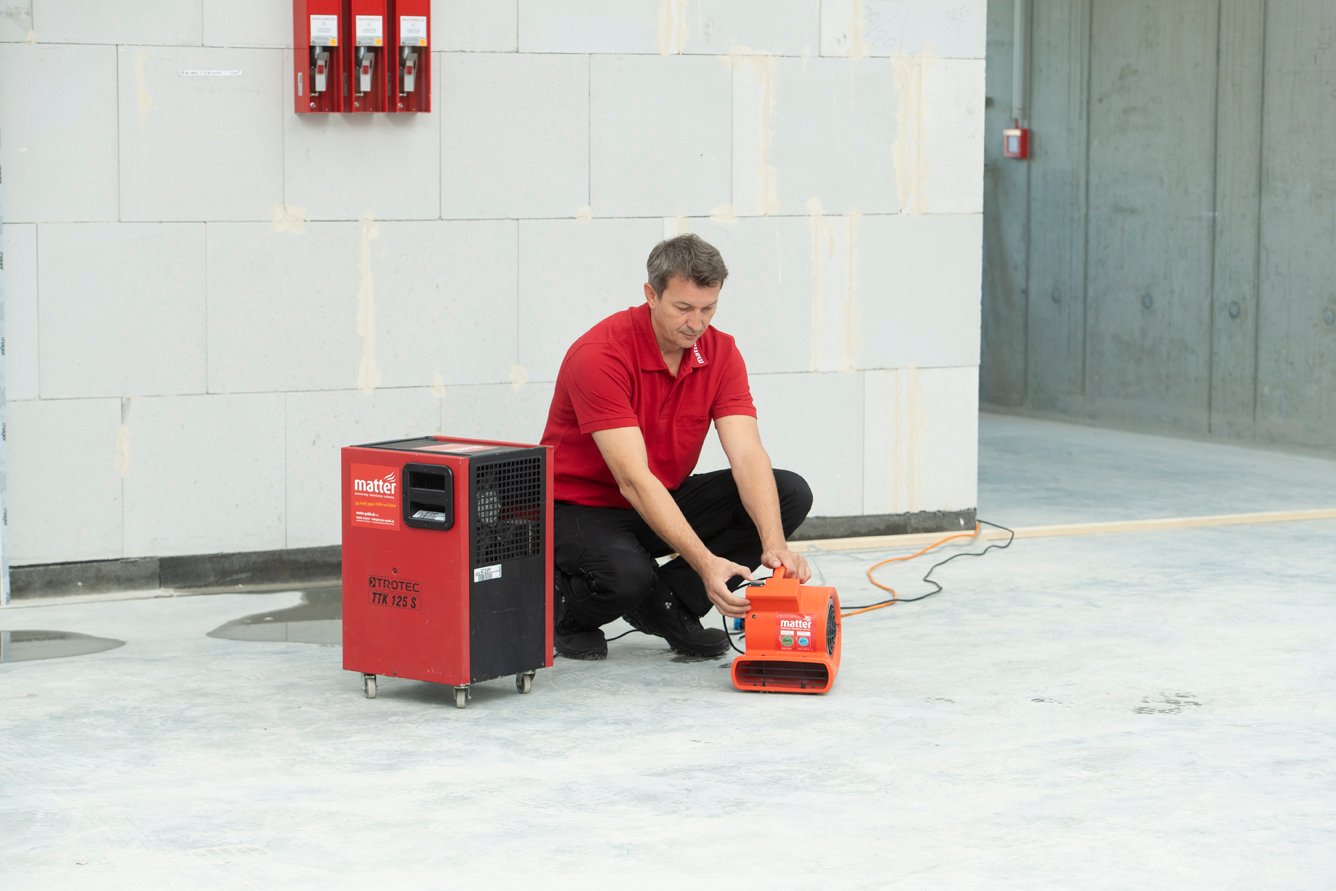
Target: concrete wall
<point>1164,261</point>
<point>208,294</point>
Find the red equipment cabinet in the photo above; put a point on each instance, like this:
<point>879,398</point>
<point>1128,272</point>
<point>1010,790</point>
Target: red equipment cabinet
<point>1016,142</point>
<point>367,56</point>
<point>317,55</point>
<point>447,561</point>
<point>411,66</point>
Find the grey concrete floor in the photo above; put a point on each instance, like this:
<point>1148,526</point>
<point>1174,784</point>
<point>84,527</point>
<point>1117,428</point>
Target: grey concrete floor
<point>1133,710</point>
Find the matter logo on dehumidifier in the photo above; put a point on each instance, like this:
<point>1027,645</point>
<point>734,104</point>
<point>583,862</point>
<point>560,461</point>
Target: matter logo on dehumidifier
<point>375,496</point>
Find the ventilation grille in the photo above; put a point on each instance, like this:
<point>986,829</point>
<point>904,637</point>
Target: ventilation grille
<point>832,628</point>
<point>507,510</point>
<point>778,675</point>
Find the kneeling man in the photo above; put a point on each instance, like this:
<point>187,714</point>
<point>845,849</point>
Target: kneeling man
<point>633,403</point>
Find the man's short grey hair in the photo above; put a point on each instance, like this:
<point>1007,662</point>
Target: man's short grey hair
<point>689,256</point>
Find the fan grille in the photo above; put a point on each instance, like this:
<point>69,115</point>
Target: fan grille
<point>507,510</point>
<point>783,675</point>
<point>832,627</point>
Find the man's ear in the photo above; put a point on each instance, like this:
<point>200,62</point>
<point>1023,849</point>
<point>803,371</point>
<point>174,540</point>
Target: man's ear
<point>650,296</point>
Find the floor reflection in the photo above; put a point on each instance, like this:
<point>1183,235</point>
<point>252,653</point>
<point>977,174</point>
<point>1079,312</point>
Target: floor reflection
<point>316,620</point>
<point>24,646</point>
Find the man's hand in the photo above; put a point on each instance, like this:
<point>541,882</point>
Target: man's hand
<point>795,565</point>
<point>715,573</point>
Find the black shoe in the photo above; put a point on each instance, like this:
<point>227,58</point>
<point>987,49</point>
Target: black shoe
<point>579,643</point>
<point>568,638</point>
<point>663,615</point>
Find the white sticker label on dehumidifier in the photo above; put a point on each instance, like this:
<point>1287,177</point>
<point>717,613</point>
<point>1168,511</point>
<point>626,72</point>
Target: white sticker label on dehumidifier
<point>487,573</point>
<point>324,30</point>
<point>412,30</point>
<point>370,30</point>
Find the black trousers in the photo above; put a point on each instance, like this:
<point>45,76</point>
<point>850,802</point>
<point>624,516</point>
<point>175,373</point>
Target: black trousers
<point>609,552</point>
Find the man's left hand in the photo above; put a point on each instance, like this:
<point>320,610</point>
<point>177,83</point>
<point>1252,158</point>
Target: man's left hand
<point>795,565</point>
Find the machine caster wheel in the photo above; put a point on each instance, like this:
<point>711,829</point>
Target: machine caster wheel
<point>524,681</point>
<point>369,685</point>
<point>461,697</point>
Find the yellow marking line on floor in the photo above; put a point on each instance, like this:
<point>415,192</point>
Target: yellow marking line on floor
<point>897,542</point>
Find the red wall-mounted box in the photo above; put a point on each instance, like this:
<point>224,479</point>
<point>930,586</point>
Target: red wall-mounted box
<point>1016,142</point>
<point>317,55</point>
<point>361,56</point>
<point>367,53</point>
<point>410,27</point>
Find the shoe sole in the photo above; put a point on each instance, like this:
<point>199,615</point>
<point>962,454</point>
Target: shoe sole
<point>587,655</point>
<point>698,654</point>
<point>583,657</point>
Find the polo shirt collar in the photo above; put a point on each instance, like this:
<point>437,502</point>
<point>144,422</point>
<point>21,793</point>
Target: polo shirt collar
<point>647,345</point>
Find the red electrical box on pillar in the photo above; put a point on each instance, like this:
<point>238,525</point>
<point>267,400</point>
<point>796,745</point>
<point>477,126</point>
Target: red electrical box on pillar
<point>1016,142</point>
<point>317,55</point>
<point>367,56</point>
<point>411,42</point>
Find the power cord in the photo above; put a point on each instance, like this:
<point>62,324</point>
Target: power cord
<point>937,588</point>
<point>732,634</point>
<point>895,597</point>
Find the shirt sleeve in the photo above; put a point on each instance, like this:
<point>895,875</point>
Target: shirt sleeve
<point>734,395</point>
<point>599,384</point>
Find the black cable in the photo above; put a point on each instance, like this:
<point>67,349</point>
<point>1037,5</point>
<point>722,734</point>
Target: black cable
<point>755,583</point>
<point>726,631</point>
<point>927,577</point>
<point>729,634</point>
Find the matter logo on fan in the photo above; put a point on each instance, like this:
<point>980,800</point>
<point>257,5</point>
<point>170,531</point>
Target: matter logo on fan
<point>795,631</point>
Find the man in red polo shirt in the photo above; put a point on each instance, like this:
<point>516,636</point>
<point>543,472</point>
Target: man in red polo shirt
<point>634,400</point>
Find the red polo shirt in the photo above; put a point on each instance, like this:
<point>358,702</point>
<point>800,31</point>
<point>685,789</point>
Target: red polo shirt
<point>615,376</point>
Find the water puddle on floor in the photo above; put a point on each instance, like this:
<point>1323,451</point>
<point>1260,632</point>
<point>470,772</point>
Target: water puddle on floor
<point>316,620</point>
<point>1167,704</point>
<point>24,646</point>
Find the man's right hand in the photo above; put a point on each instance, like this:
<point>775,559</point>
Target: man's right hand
<point>715,573</point>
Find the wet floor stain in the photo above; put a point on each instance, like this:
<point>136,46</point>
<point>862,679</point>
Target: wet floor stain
<point>318,619</point>
<point>1167,704</point>
<point>25,646</point>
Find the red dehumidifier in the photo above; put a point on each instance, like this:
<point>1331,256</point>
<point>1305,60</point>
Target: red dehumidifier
<point>447,561</point>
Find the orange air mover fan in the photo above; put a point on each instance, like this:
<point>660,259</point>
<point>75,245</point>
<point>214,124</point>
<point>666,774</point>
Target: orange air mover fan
<point>793,638</point>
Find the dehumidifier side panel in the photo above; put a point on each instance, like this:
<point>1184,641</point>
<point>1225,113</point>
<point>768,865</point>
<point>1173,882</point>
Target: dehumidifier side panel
<point>508,593</point>
<point>507,621</point>
<point>549,476</point>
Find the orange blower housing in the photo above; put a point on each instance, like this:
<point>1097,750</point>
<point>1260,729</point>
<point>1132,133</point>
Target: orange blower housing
<point>793,638</point>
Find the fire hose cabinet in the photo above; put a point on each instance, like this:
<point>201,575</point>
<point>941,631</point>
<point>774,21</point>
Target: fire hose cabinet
<point>317,56</point>
<point>410,70</point>
<point>447,561</point>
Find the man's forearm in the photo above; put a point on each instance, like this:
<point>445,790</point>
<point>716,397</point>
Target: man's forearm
<point>755,479</point>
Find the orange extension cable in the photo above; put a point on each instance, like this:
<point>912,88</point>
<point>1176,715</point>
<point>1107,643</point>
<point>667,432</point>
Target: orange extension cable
<point>894,594</point>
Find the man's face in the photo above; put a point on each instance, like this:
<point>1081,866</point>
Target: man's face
<point>682,312</point>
